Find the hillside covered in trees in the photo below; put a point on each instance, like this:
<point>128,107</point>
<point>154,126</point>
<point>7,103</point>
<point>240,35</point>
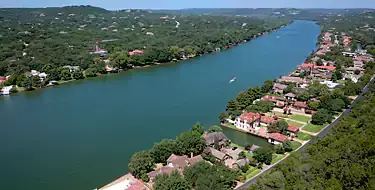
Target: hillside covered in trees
<point>33,38</point>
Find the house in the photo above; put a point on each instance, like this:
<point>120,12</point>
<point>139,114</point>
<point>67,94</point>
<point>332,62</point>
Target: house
<point>220,156</point>
<point>215,138</point>
<point>273,99</point>
<point>292,79</point>
<point>330,84</point>
<point>126,182</point>
<point>292,129</point>
<point>175,162</point>
<point>232,153</point>
<point>136,52</point>
<point>248,121</point>
<point>300,107</point>
<point>277,138</point>
<point>290,96</point>
<point>279,88</point>
<point>300,89</point>
<point>358,64</point>
<point>72,68</point>
<point>253,147</point>
<point>239,164</point>
<point>265,121</point>
<point>163,170</point>
<point>6,90</point>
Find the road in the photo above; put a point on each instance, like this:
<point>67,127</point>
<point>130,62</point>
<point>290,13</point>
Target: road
<point>320,135</point>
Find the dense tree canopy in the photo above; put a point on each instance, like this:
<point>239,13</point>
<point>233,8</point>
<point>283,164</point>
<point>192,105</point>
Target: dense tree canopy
<point>140,164</point>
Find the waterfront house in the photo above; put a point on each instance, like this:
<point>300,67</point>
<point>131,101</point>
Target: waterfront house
<point>279,88</point>
<point>232,153</point>
<point>297,80</point>
<point>300,107</point>
<point>290,96</point>
<point>6,90</point>
<point>248,121</point>
<point>216,138</point>
<point>175,162</point>
<point>273,99</point>
<point>126,182</point>
<point>277,138</point>
<point>253,147</point>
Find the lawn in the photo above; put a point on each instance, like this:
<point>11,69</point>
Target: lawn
<point>277,157</point>
<point>295,145</point>
<point>313,128</point>
<point>300,118</point>
<point>252,173</point>
<point>294,123</point>
<point>303,136</point>
<point>280,114</point>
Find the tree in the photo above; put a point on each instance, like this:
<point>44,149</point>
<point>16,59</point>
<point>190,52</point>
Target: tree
<point>303,96</point>
<point>321,117</point>
<point>47,68</point>
<point>140,164</point>
<point>287,145</point>
<point>215,128</point>
<point>241,155</point>
<point>90,72</point>
<point>198,128</point>
<point>289,88</point>
<point>65,74</point>
<point>244,99</point>
<point>162,150</point>
<point>317,89</point>
<point>337,75</point>
<point>263,155</point>
<point>174,181</point>
<point>202,176</point>
<point>78,75</point>
<point>279,149</point>
<point>319,62</point>
<point>27,84</point>
<point>223,116</point>
<point>54,74</point>
<point>278,127</point>
<point>267,86</point>
<point>190,142</point>
<point>232,106</point>
<point>260,107</point>
<point>35,81</point>
<point>357,72</point>
<point>313,105</point>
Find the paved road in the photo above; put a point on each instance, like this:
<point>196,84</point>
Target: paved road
<point>320,135</point>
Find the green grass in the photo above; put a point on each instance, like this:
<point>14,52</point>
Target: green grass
<point>303,136</point>
<point>294,123</point>
<point>253,173</point>
<point>341,81</point>
<point>295,145</point>
<point>277,157</point>
<point>300,118</point>
<point>313,128</point>
<point>280,114</point>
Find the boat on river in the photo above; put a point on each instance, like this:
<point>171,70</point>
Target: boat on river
<point>232,80</point>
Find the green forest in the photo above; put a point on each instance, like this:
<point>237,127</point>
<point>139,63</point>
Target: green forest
<point>45,39</point>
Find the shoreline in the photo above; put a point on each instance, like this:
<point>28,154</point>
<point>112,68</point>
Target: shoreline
<point>228,47</point>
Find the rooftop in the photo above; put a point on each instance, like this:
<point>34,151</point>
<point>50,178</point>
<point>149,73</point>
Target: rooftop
<point>293,128</point>
<point>278,137</point>
<point>250,117</point>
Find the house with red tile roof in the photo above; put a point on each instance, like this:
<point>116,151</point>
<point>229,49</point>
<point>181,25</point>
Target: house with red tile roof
<point>136,52</point>
<point>277,138</point>
<point>126,182</point>
<point>264,120</point>
<point>292,129</point>
<point>299,107</point>
<point>248,121</point>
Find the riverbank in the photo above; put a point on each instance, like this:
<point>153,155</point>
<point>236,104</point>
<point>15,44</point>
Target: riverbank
<point>176,61</point>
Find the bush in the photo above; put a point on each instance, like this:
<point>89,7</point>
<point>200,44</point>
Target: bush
<point>279,149</point>
<point>321,117</point>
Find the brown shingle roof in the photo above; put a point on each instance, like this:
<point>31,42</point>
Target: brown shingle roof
<point>278,136</point>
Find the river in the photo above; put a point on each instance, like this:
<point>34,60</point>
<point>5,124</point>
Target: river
<point>81,135</point>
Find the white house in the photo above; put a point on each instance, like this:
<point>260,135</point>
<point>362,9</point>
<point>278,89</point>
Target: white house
<point>277,138</point>
<point>6,90</point>
<point>330,84</point>
<point>248,121</point>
